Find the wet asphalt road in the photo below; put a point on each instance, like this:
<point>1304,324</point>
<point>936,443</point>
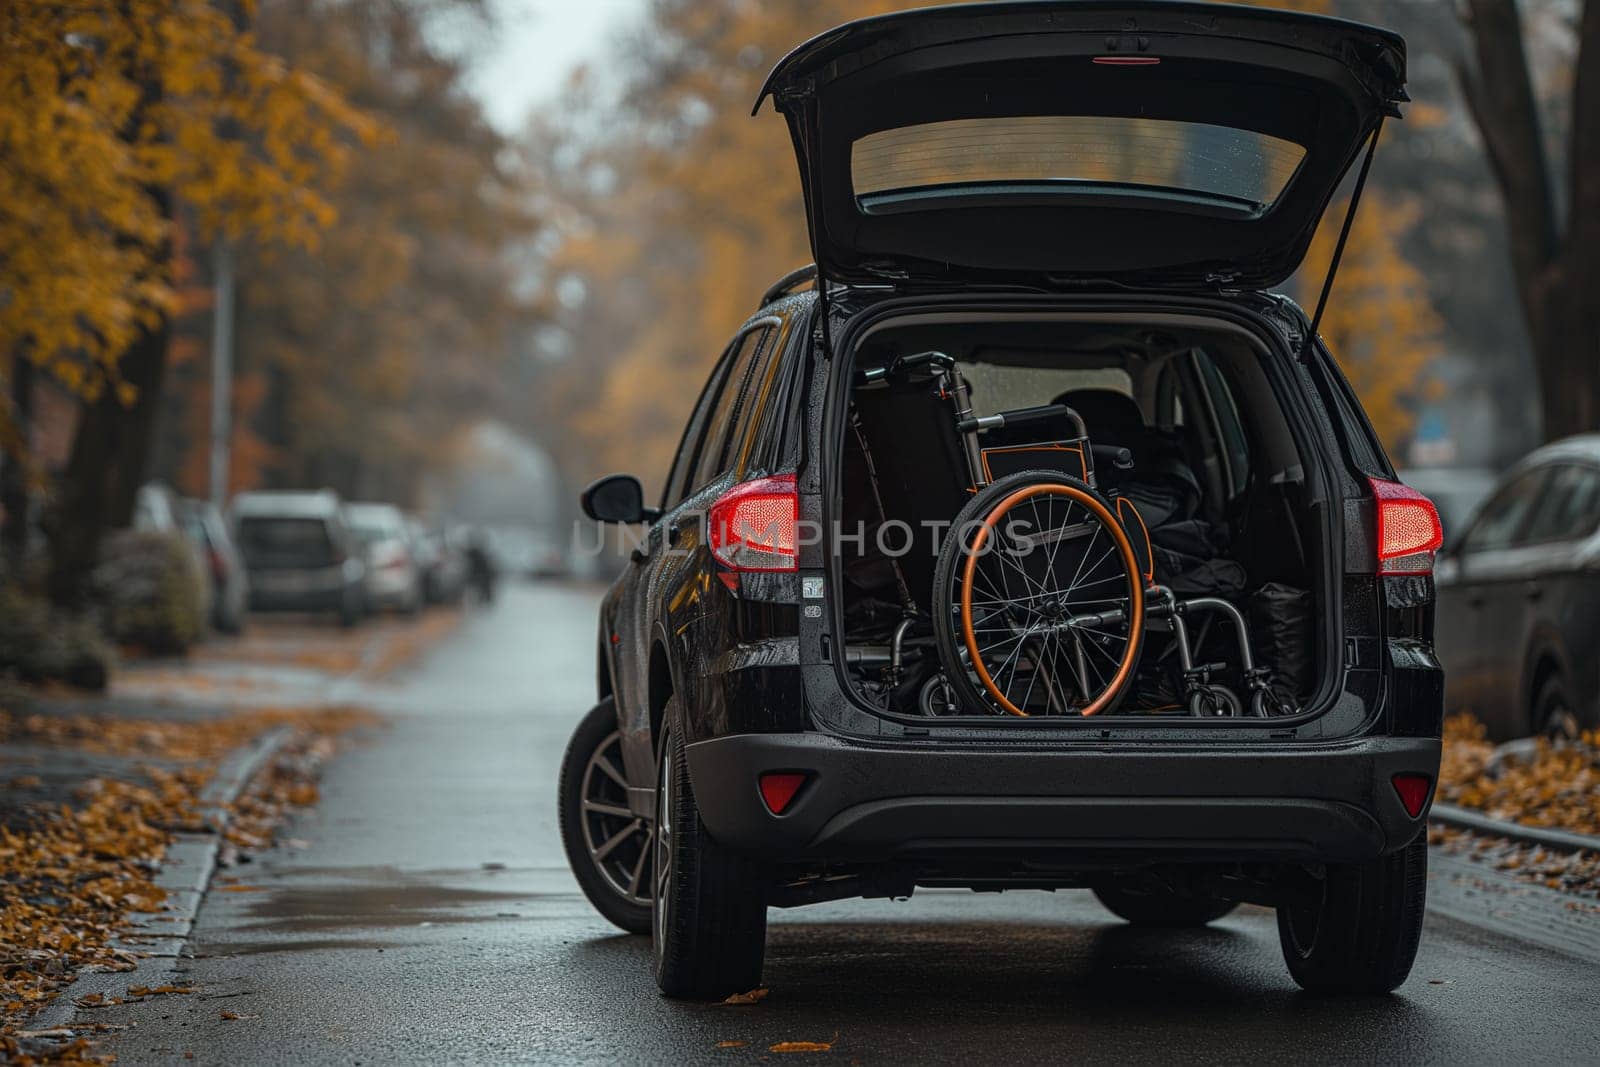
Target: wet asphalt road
<point>430,918</point>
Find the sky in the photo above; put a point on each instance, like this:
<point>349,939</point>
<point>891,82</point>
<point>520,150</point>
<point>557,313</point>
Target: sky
<point>538,43</point>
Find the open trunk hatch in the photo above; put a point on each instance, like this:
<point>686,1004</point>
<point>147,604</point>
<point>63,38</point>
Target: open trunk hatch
<point>1052,143</point>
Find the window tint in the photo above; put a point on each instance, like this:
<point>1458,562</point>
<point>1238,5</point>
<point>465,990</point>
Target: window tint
<point>723,420</point>
<point>765,407</point>
<point>1568,507</point>
<point>273,541</point>
<point>1503,518</point>
<point>678,483</point>
<point>1357,434</point>
<point>1234,444</point>
<point>1022,153</point>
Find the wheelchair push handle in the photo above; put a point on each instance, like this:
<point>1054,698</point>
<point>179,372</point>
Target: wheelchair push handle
<point>939,362</point>
<point>1120,458</point>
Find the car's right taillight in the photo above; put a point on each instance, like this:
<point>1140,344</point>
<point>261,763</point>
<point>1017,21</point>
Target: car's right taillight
<point>754,526</point>
<point>1408,529</point>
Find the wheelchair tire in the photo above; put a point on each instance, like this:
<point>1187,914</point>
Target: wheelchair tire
<point>993,580</point>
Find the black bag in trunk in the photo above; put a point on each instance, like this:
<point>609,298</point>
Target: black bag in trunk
<point>1282,630</point>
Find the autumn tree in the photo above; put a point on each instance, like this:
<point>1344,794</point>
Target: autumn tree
<point>111,113</point>
<point>676,208</point>
<point>366,353</point>
<point>1380,322</point>
<point>1552,220</point>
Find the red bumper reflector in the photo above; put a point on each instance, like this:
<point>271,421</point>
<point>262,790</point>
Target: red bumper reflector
<point>779,787</point>
<point>1413,790</point>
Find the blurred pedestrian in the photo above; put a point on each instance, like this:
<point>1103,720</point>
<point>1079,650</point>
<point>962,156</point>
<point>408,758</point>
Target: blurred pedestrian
<point>481,572</point>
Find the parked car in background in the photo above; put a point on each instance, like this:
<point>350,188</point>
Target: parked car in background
<point>443,566</point>
<point>299,554</point>
<point>158,508</point>
<point>230,581</point>
<point>548,559</point>
<point>1455,491</point>
<point>394,580</point>
<point>1519,598</point>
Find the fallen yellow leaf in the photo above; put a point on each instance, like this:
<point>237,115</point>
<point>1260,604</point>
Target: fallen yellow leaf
<point>754,996</point>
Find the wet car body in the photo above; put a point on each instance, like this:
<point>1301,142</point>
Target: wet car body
<point>1519,598</point>
<point>299,554</point>
<point>727,681</point>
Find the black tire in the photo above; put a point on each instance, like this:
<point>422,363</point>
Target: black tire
<point>1154,908</point>
<point>1553,716</point>
<point>1358,933</point>
<point>709,928</point>
<point>970,695</point>
<point>606,887</point>
<point>1211,701</point>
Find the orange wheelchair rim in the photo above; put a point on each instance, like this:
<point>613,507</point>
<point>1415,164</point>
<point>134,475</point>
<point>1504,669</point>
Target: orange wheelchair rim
<point>1130,566</point>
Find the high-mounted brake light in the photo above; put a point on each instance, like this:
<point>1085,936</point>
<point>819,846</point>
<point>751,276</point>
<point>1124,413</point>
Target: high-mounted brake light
<point>1408,529</point>
<point>755,526</point>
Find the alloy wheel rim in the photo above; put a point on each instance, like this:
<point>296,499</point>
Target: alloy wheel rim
<point>1560,724</point>
<point>663,844</point>
<point>618,841</point>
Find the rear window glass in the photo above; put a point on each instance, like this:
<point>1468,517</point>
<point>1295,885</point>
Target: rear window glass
<point>1030,151</point>
<point>271,541</point>
<point>375,524</point>
<point>1000,387</point>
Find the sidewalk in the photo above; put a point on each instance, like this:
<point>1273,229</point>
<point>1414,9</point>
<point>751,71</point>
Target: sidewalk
<point>115,810</point>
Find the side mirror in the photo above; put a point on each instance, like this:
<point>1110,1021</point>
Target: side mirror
<point>616,498</point>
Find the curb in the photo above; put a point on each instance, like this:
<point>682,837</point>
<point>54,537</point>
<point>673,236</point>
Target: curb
<point>185,874</point>
<point>1465,819</point>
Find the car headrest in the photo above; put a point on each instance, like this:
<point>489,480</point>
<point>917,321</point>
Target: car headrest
<point>1107,413</point>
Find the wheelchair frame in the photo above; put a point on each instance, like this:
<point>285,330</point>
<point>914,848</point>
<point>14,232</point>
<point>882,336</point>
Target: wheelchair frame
<point>1202,695</point>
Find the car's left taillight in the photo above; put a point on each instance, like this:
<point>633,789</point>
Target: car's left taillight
<point>755,526</point>
<point>1408,529</point>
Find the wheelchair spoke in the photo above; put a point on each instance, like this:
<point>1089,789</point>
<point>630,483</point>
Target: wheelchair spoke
<point>1044,564</point>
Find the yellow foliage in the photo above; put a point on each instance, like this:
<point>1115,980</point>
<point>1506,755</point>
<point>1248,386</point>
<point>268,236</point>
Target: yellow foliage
<point>702,209</point>
<point>1380,321</point>
<point>109,107</point>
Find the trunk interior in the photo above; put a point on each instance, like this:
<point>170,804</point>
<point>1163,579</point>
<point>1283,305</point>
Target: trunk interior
<point>1217,476</point>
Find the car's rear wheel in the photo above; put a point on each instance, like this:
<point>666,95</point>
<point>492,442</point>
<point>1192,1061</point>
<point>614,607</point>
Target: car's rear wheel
<point>1162,908</point>
<point>1357,931</point>
<point>1553,716</point>
<point>607,845</point>
<point>709,927</point>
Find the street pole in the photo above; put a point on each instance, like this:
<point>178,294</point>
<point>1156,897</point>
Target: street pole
<point>221,368</point>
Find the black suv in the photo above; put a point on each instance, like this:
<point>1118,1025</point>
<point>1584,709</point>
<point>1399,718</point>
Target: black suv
<point>1027,540</point>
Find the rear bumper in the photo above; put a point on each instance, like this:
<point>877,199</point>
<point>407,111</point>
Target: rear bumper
<point>872,804</point>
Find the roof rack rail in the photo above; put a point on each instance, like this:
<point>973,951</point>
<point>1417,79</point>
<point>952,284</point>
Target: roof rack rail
<point>789,283</point>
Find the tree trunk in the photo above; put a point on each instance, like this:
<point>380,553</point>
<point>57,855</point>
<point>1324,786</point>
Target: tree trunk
<point>1557,267</point>
<point>1580,410</point>
<point>110,455</point>
<point>14,497</point>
